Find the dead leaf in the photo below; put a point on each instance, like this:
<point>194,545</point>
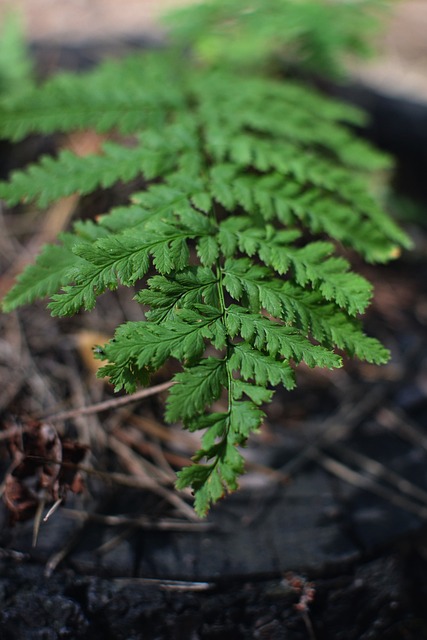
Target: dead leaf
<point>43,469</point>
<point>20,500</point>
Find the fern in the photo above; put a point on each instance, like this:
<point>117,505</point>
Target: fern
<point>305,32</point>
<point>252,187</point>
<point>16,73</point>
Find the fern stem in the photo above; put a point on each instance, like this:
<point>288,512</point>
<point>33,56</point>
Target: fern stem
<point>223,309</point>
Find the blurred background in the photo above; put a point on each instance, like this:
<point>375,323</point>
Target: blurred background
<point>400,66</point>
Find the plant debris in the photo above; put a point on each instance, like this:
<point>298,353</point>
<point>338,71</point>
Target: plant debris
<point>44,468</point>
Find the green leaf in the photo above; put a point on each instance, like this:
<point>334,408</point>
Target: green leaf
<point>245,417</point>
<point>330,326</point>
<point>196,388</point>
<point>202,201</point>
<point>124,257</point>
<point>278,339</point>
<point>329,275</point>
<point>263,369</point>
<point>210,482</point>
<point>54,178</point>
<point>310,264</point>
<point>225,33</point>
<point>208,250</point>
<point>98,99</point>
<point>221,189</point>
<point>255,285</point>
<point>166,295</point>
<point>16,69</point>
<point>144,345</point>
<point>45,276</point>
<point>258,395</point>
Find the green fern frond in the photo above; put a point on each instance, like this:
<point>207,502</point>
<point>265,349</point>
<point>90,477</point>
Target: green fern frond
<point>310,264</point>
<point>311,33</point>
<point>45,277</point>
<point>166,295</point>
<point>277,339</point>
<point>234,243</point>
<point>197,388</point>
<point>126,96</point>
<point>53,178</point>
<point>16,69</point>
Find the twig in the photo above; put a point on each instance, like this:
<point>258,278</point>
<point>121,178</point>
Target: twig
<point>134,465</point>
<point>112,477</point>
<point>134,438</point>
<point>274,474</point>
<point>140,482</point>
<point>336,428</point>
<point>14,555</point>
<point>308,625</point>
<point>368,484</point>
<point>168,585</point>
<point>381,472</point>
<point>114,541</point>
<point>37,520</point>
<point>151,469</point>
<point>140,522</point>
<point>398,422</point>
<point>52,510</point>
<point>109,404</point>
<point>155,430</point>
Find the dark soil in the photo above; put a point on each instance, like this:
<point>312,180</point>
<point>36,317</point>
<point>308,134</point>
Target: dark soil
<point>380,598</point>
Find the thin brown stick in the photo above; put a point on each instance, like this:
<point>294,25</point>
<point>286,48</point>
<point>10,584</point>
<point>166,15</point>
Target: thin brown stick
<point>154,429</point>
<point>111,477</point>
<point>140,522</point>
<point>167,585</point>
<point>368,484</point>
<point>152,470</point>
<point>381,472</point>
<point>109,404</point>
<point>133,438</point>
<point>396,420</point>
<point>335,428</point>
<point>114,541</point>
<point>134,465</point>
